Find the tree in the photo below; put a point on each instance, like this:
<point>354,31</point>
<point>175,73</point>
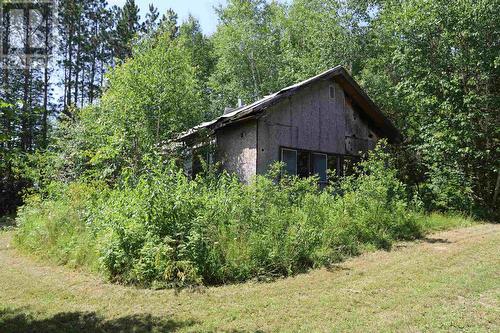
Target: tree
<point>247,46</point>
<point>200,49</point>
<point>319,34</point>
<point>127,28</point>
<point>436,70</point>
<point>98,48</point>
<point>85,30</point>
<point>11,182</point>
<point>150,98</point>
<point>152,27</point>
<point>69,15</point>
<point>168,24</point>
<point>151,22</point>
<point>25,93</point>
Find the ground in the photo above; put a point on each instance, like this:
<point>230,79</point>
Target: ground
<point>449,281</point>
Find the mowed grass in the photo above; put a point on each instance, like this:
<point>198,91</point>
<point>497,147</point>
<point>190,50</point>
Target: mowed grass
<point>449,281</point>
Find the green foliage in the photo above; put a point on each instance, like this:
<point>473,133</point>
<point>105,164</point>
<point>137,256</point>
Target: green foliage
<point>200,48</point>
<point>12,180</point>
<point>318,36</point>
<point>434,68</point>
<point>149,99</point>
<point>438,222</point>
<point>448,189</point>
<point>164,230</point>
<point>127,26</point>
<point>431,65</point>
<point>247,48</point>
<point>152,96</point>
<point>55,227</point>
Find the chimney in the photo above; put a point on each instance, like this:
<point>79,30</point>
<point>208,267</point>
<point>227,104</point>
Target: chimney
<point>228,109</point>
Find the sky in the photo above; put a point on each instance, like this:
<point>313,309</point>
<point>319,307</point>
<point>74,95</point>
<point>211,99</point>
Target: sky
<point>203,10</point>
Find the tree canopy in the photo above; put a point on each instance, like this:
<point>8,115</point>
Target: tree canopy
<point>129,84</point>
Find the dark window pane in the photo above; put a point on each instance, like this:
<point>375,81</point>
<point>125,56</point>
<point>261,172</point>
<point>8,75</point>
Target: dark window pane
<point>319,166</point>
<point>332,92</point>
<point>303,165</point>
<point>197,165</point>
<point>289,157</point>
<point>201,155</point>
<point>333,164</point>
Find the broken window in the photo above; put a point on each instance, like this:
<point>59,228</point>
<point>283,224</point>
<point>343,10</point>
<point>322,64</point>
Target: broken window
<point>304,163</point>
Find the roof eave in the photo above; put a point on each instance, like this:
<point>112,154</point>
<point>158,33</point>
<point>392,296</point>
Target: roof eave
<point>343,78</point>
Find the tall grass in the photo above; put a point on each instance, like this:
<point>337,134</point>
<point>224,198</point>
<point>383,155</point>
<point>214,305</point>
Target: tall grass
<point>438,221</point>
<point>56,227</point>
<point>164,230</point>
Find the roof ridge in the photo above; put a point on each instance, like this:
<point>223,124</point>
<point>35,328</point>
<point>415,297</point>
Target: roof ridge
<point>268,100</point>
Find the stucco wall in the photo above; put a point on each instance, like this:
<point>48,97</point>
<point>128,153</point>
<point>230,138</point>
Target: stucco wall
<point>236,149</point>
<point>312,120</point>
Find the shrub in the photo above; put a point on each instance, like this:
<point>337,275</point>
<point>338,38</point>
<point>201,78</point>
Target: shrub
<point>161,229</point>
<point>448,189</point>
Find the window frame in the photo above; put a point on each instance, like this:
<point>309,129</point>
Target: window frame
<point>339,160</point>
<point>332,91</point>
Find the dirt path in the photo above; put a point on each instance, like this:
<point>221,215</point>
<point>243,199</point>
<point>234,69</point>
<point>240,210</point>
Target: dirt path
<point>448,282</point>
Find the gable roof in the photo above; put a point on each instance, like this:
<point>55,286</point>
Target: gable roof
<point>379,120</point>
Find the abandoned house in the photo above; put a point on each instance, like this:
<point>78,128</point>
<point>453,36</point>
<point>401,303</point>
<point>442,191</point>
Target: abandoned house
<point>323,123</point>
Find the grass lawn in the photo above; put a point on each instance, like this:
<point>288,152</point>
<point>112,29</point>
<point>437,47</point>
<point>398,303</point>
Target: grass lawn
<point>447,282</point>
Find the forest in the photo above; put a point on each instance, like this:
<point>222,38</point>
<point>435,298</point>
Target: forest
<point>82,141</point>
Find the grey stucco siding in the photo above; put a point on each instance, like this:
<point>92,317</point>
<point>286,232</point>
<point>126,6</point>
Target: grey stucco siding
<point>237,149</point>
<point>309,120</point>
<point>328,113</point>
<point>316,119</point>
<point>312,120</point>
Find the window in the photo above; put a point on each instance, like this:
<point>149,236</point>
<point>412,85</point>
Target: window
<point>319,166</point>
<point>332,92</point>
<point>289,157</point>
<point>333,164</point>
<point>303,164</point>
<point>201,157</point>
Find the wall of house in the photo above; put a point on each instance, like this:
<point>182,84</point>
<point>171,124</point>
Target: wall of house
<point>359,137</point>
<point>312,120</point>
<point>237,149</point>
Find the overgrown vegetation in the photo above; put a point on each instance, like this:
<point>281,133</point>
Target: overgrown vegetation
<point>432,67</point>
<point>162,229</point>
<point>98,194</point>
<point>446,282</point>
